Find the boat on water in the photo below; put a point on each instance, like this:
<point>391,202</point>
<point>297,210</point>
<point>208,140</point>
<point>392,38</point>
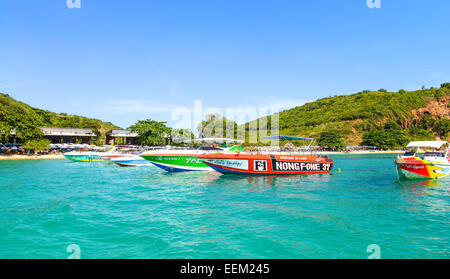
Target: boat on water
<point>93,156</point>
<point>267,163</point>
<point>178,160</point>
<point>270,163</point>
<point>130,160</point>
<point>424,160</point>
<point>85,156</point>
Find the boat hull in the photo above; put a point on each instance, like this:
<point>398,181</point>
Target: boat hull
<point>418,168</point>
<point>84,158</point>
<point>114,156</point>
<point>267,164</point>
<point>130,161</point>
<point>177,163</point>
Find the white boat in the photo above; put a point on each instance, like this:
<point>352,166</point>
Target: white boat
<point>130,160</point>
<point>88,156</point>
<point>424,160</point>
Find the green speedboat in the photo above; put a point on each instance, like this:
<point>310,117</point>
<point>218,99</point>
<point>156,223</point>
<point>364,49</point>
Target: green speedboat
<point>173,160</point>
<point>176,160</point>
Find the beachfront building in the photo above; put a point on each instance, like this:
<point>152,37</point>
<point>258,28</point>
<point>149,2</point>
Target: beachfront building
<point>121,137</point>
<point>68,135</point>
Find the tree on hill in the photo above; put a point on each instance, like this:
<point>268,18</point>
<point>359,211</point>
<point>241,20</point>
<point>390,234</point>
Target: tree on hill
<point>443,128</point>
<point>36,145</point>
<point>331,139</point>
<point>181,135</point>
<point>391,136</point>
<point>151,132</point>
<point>446,85</point>
<point>26,120</point>
<point>441,92</point>
<point>215,125</point>
<point>26,133</point>
<point>5,132</point>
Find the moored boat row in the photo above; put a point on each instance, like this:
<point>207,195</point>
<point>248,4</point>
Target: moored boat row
<point>432,163</point>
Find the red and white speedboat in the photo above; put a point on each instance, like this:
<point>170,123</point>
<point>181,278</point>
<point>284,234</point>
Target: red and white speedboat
<point>432,163</point>
<point>268,164</point>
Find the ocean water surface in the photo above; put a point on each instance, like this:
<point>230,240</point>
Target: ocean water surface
<point>144,212</point>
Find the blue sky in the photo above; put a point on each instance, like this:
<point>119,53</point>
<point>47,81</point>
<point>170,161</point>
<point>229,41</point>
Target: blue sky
<point>121,61</point>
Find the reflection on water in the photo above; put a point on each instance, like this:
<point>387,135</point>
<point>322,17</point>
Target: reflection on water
<point>426,183</point>
<point>272,180</point>
<point>430,196</point>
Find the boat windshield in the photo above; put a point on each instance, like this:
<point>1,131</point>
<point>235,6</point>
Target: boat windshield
<point>409,153</point>
<point>434,154</point>
<point>208,148</point>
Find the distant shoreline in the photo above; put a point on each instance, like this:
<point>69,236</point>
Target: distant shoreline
<point>59,157</point>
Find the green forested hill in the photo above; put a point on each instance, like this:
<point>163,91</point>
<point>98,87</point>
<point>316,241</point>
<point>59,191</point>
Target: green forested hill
<point>386,119</point>
<point>380,118</point>
<point>26,120</point>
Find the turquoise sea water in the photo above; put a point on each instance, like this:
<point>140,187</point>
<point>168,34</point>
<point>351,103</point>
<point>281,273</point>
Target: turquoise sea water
<point>114,212</point>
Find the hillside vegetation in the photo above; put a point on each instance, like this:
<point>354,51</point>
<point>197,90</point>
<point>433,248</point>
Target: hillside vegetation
<point>26,120</point>
<point>371,118</point>
<point>381,118</point>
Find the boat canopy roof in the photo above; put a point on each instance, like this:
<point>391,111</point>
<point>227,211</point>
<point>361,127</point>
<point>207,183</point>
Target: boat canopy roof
<point>427,144</point>
<point>281,137</point>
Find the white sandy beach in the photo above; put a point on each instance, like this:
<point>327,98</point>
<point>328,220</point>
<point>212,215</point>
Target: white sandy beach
<point>31,157</point>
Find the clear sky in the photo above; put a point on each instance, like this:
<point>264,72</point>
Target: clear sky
<point>121,61</point>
